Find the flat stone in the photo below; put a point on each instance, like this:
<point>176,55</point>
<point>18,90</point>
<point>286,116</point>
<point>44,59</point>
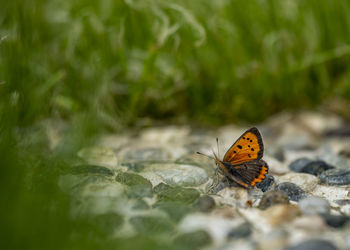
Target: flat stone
<point>336,221</point>
<point>293,192</point>
<point>138,187</point>
<point>193,240</point>
<point>314,245</point>
<point>179,194</point>
<point>236,196</point>
<point>306,182</point>
<point>267,183</point>
<point>331,193</point>
<point>150,225</point>
<point>299,164</point>
<point>217,226</point>
<point>242,231</point>
<point>335,177</point>
<point>273,197</point>
<point>314,205</point>
<point>305,165</point>
<point>205,204</point>
<point>101,156</point>
<point>175,174</point>
<point>175,209</point>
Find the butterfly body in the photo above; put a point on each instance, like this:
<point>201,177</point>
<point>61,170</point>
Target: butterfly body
<point>242,163</point>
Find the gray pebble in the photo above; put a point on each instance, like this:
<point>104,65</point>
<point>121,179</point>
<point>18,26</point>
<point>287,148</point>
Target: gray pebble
<point>314,245</point>
<point>205,204</point>
<point>335,177</point>
<point>335,221</point>
<point>273,197</point>
<point>293,192</point>
<point>267,183</point>
<point>305,165</point>
<point>314,205</point>
<point>241,231</point>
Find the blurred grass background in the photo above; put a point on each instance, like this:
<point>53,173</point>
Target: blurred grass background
<point>109,64</point>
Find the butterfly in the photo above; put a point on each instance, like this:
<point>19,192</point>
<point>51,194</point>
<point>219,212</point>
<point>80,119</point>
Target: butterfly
<point>243,162</point>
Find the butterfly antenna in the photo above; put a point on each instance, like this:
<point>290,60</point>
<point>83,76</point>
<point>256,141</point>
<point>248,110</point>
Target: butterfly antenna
<point>205,155</point>
<point>217,144</point>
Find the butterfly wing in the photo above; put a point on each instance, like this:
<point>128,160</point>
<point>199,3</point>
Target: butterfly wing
<point>248,174</point>
<point>248,147</point>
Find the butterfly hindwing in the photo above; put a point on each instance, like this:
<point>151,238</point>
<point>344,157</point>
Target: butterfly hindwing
<point>248,147</point>
<point>248,173</point>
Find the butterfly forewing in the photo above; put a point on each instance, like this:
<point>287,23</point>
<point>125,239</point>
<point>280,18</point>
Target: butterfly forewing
<point>248,147</point>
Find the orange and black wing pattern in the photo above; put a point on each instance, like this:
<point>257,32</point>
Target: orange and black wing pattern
<point>248,174</point>
<point>248,147</point>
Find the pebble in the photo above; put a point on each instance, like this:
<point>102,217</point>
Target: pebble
<point>305,165</point>
<point>314,244</point>
<point>293,192</point>
<point>335,221</point>
<point>175,174</point>
<point>335,177</point>
<point>205,204</point>
<point>242,231</point>
<point>139,187</point>
<point>306,182</point>
<point>273,197</point>
<point>193,240</point>
<point>150,225</point>
<point>267,183</point>
<point>176,210</point>
<point>146,154</point>
<point>314,205</point>
<point>331,193</point>
<point>101,156</point>
<point>180,194</point>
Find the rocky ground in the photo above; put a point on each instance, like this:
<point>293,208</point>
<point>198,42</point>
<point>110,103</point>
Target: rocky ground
<point>151,182</point>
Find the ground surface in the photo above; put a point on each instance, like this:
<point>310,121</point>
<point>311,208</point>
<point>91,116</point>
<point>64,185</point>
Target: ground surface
<point>151,183</point>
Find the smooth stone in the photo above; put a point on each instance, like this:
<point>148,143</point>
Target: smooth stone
<point>345,210</point>
<point>136,166</point>
<point>131,179</point>
<point>101,156</point>
<point>138,187</point>
<point>271,218</point>
<point>306,182</point>
<point>218,226</point>
<point>314,205</point>
<point>335,221</point>
<point>305,165</point>
<point>276,239</point>
<point>331,193</point>
<point>242,231</point>
<point>342,202</point>
<point>314,245</point>
<point>193,240</point>
<point>175,174</point>
<point>267,183</point>
<point>232,196</point>
<point>70,182</point>
<point>335,177</point>
<point>205,204</point>
<point>293,192</point>
<point>299,164</point>
<point>150,225</point>
<point>179,194</point>
<point>91,169</point>
<point>176,210</point>
<point>316,167</point>
<point>273,197</point>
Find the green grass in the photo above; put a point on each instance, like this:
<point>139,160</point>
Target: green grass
<point>106,65</point>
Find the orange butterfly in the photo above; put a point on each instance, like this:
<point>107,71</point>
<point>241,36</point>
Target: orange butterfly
<point>242,163</point>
